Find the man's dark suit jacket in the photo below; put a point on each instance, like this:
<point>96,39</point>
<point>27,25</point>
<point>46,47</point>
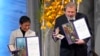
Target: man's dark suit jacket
<point>62,20</point>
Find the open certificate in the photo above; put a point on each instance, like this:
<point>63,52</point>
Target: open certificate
<point>81,28</point>
<point>33,46</point>
<point>76,30</point>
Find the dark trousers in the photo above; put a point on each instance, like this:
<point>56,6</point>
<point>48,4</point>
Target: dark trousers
<point>73,51</point>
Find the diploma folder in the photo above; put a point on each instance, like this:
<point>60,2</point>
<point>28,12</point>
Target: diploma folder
<point>28,46</point>
<point>77,29</point>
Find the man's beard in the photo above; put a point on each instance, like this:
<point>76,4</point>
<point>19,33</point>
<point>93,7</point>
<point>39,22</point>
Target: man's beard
<point>70,18</point>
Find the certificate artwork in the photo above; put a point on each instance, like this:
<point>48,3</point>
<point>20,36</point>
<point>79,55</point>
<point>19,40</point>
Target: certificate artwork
<point>70,32</point>
<point>21,46</point>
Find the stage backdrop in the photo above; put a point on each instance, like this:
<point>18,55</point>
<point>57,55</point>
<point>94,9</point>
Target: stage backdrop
<point>10,12</point>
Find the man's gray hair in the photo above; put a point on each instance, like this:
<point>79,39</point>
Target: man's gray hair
<point>70,4</point>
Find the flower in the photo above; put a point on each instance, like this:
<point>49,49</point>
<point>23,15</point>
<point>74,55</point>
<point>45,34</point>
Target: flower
<point>51,10</point>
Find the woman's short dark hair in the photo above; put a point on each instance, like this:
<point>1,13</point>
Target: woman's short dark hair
<point>24,19</point>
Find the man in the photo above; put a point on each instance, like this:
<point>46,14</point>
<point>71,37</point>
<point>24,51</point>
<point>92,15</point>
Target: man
<point>79,48</point>
<point>23,31</point>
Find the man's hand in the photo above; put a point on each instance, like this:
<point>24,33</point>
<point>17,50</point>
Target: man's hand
<point>57,31</point>
<point>80,41</point>
<point>57,35</point>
